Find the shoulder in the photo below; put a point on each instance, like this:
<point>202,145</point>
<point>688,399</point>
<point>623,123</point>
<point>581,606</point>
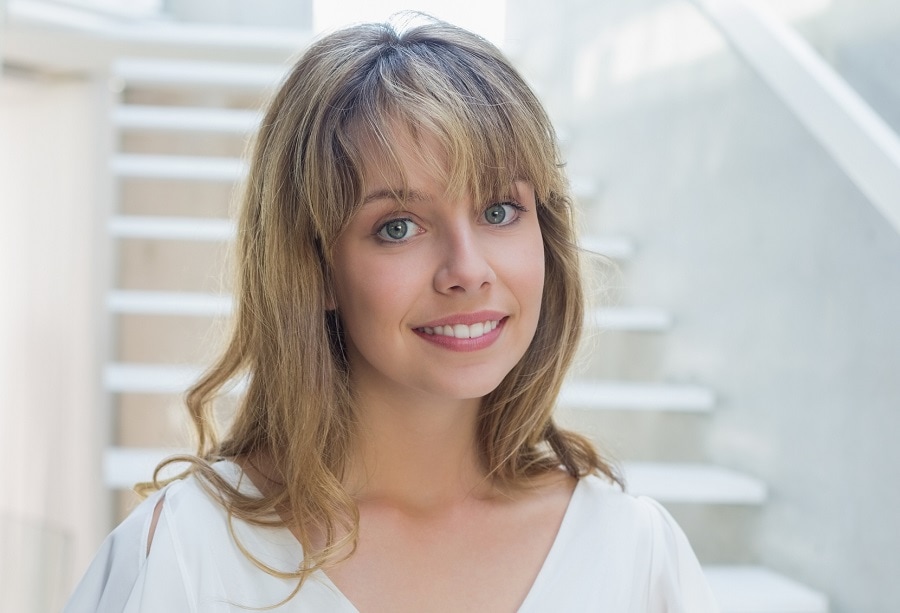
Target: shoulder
<point>123,565</point>
<point>634,541</point>
<point>186,509</point>
<point>602,510</point>
<point>602,503</point>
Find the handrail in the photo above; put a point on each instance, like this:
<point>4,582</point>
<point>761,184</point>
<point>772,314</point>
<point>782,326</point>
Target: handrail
<point>856,137</point>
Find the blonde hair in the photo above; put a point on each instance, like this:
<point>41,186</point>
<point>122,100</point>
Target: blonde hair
<point>305,183</point>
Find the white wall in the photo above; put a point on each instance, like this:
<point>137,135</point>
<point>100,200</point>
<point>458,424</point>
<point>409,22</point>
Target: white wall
<point>784,281</point>
<point>49,447</point>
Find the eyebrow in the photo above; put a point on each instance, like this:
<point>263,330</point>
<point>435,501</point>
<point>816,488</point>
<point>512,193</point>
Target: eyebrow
<point>397,195</point>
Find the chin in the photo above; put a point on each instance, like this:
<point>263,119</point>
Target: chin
<point>469,390</point>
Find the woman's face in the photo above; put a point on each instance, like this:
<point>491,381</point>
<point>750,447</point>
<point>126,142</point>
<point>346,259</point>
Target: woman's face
<point>437,297</point>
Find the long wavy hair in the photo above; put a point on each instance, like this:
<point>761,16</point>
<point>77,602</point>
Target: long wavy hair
<point>305,183</point>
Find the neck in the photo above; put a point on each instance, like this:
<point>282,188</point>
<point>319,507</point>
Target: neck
<point>416,452</point>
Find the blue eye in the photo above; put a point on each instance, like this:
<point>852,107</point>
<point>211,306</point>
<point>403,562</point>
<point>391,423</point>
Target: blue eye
<point>397,230</point>
<point>502,213</point>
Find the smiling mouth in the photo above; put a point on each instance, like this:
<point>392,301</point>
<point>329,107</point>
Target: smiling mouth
<point>476,330</point>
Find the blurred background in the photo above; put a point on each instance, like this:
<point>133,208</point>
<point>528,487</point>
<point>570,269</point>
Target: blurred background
<point>738,160</point>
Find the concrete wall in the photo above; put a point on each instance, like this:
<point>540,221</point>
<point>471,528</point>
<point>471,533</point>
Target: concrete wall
<point>784,281</point>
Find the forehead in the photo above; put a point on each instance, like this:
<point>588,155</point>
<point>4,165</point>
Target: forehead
<point>411,161</point>
<point>397,157</point>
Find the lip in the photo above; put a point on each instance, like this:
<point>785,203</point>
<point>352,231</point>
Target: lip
<point>467,319</point>
<point>463,344</point>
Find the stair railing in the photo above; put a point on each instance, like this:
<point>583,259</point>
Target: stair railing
<point>861,143</point>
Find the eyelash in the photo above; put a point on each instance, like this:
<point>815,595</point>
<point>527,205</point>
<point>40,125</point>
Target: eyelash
<point>383,228</point>
<point>519,209</point>
<point>389,241</point>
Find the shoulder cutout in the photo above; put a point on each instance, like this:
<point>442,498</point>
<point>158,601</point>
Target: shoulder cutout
<point>157,510</point>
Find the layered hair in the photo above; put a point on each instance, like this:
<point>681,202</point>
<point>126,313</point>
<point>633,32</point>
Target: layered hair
<point>337,108</point>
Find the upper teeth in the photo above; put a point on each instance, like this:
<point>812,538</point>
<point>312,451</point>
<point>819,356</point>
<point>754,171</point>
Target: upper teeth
<point>462,330</point>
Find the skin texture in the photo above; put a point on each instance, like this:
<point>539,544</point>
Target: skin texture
<point>435,532</point>
<point>452,261</point>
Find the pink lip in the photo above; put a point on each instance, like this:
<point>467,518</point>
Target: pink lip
<point>464,344</point>
<point>465,318</point>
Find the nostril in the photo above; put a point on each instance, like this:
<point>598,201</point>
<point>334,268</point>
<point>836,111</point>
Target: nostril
<point>465,266</point>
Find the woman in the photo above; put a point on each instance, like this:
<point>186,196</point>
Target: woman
<point>408,304</point>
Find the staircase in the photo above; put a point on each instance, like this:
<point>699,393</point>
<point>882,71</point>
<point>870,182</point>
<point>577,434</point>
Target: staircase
<point>181,129</point>
<point>170,229</point>
<point>678,484</point>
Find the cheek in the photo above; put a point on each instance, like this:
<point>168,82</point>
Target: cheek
<point>362,290</point>
<point>534,281</point>
<point>523,274</point>
<point>531,269</point>
<point>374,294</point>
<point>358,308</point>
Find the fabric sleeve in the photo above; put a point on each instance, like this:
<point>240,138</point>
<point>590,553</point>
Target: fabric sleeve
<point>678,584</point>
<point>122,578</point>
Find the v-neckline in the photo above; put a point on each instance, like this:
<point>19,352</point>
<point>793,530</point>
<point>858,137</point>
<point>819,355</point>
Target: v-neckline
<point>244,482</point>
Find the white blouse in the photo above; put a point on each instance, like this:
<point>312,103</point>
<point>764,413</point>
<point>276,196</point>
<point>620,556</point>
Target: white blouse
<point>614,553</point>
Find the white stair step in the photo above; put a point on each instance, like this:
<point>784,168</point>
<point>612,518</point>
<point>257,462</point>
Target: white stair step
<point>636,396</point>
<point>131,378</point>
<point>172,228</point>
<point>182,167</point>
<point>232,121</point>
<point>125,466</point>
<point>137,24</point>
<point>149,378</point>
<point>632,319</point>
<point>686,483</point>
<point>198,74</point>
<point>615,247</point>
<point>168,303</point>
<point>753,589</point>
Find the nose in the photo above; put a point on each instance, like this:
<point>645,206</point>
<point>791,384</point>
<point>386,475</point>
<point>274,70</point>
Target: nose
<point>464,263</point>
